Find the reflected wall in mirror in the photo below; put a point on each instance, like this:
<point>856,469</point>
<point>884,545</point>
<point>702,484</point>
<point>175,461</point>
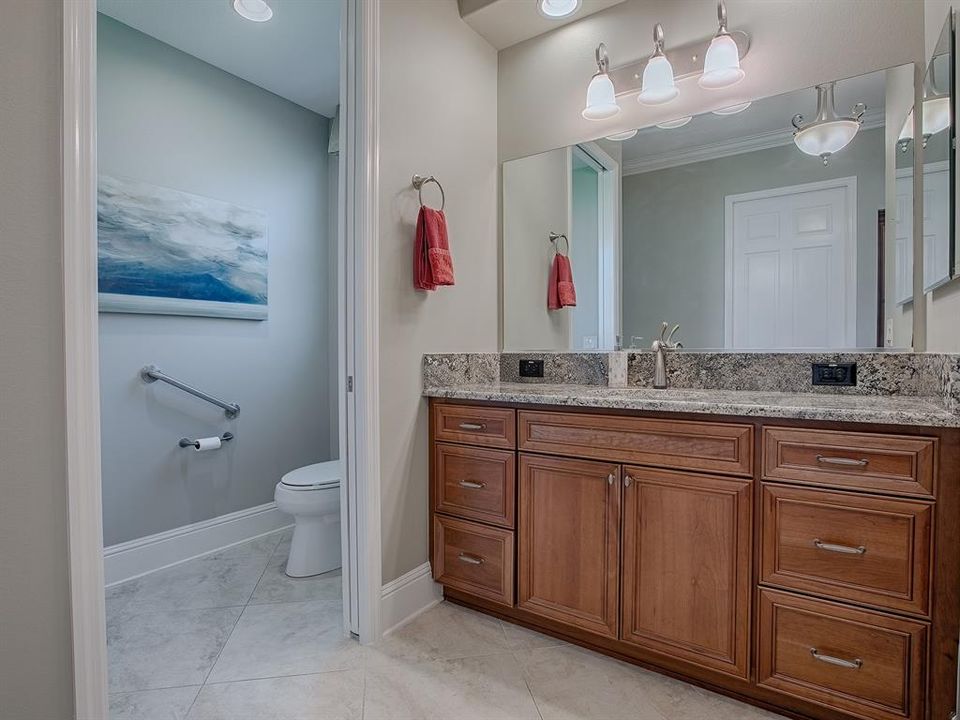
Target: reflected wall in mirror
<point>897,250</point>
<point>760,227</point>
<point>937,140</point>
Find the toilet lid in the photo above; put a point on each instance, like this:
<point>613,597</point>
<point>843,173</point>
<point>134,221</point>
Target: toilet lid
<point>318,475</point>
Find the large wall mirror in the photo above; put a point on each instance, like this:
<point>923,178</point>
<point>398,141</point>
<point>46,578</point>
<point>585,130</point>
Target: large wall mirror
<point>755,227</point>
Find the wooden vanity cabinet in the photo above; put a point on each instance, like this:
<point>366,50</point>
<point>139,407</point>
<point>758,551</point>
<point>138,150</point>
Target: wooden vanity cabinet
<point>808,567</point>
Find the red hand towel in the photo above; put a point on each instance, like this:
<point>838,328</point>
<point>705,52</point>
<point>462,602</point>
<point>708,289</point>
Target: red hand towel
<point>560,289</point>
<point>432,262</point>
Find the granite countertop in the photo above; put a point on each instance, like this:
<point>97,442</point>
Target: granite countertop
<point>890,410</point>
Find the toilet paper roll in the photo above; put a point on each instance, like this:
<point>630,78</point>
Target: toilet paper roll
<point>209,443</point>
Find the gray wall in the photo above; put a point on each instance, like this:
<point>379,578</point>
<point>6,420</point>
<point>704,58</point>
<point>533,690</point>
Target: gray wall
<point>169,119</point>
<point>673,234</point>
<point>35,651</point>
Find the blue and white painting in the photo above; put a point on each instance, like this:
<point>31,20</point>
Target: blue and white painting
<point>163,251</point>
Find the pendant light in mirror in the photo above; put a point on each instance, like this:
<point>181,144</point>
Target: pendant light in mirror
<point>674,124</point>
<point>658,86</point>
<point>621,136</point>
<point>733,109</point>
<point>601,96</point>
<point>721,64</point>
<point>828,133</point>
<point>906,133</point>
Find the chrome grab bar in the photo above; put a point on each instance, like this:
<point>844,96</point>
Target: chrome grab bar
<point>151,373</point>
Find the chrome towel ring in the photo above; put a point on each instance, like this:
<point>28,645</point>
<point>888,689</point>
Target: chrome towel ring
<point>419,181</point>
<point>555,239</point>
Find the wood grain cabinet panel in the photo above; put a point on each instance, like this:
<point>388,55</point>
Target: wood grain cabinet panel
<point>475,425</point>
<point>474,558</point>
<point>569,541</point>
<point>866,461</point>
<point>863,663</point>
<point>686,567</point>
<point>867,549</point>
<point>725,447</point>
<point>475,483</point>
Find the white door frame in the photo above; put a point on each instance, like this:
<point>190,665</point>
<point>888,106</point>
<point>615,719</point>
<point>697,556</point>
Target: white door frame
<point>608,282</point>
<point>849,185</point>
<point>358,326</point>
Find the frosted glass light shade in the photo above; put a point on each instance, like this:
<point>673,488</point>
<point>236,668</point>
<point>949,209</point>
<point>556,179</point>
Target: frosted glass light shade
<point>621,136</point>
<point>253,10</point>
<point>824,139</point>
<point>733,109</point>
<point>936,115</point>
<point>721,65</point>
<point>555,9</point>
<point>601,98</point>
<point>674,124</point>
<point>657,86</point>
<point>906,132</point>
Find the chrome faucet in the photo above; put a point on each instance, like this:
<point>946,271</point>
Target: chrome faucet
<point>660,347</point>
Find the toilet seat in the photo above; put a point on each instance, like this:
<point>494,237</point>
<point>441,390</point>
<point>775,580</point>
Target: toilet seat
<point>319,476</point>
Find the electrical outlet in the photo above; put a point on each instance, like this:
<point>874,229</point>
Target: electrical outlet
<point>589,342</point>
<point>888,334</point>
<point>531,368</point>
<point>835,374</point>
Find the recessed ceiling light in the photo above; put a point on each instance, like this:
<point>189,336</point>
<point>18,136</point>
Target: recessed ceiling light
<point>733,109</point>
<point>254,10</point>
<point>556,9</point>
<point>621,136</point>
<point>674,124</point>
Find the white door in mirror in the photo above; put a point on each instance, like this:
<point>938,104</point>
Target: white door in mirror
<point>791,258</point>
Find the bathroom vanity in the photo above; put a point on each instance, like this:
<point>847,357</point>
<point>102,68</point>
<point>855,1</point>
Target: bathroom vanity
<point>807,565</point>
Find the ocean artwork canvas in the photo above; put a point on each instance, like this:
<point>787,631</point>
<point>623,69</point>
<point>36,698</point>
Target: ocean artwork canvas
<point>169,252</point>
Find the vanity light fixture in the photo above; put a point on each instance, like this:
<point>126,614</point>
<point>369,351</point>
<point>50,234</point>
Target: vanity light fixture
<point>721,64</point>
<point>674,124</point>
<point>829,133</point>
<point>556,9</point>
<point>621,136</point>
<point>253,10</point>
<point>936,116</point>
<point>601,97</point>
<point>658,86</point>
<point>733,109</point>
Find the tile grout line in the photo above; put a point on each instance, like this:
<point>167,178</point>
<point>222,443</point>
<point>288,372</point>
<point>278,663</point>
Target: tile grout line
<point>233,629</point>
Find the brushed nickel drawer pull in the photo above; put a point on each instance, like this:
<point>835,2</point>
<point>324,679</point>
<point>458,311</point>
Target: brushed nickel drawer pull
<point>470,559</point>
<point>472,485</point>
<point>862,462</point>
<point>854,664</point>
<point>844,549</point>
<point>472,426</point>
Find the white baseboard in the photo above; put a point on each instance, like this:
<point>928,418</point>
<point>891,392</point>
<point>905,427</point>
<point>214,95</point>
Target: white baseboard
<point>411,594</point>
<point>132,559</point>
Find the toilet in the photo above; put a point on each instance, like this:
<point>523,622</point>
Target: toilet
<point>312,495</point>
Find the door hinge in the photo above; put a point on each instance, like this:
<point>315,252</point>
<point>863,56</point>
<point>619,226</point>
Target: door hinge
<point>349,383</point>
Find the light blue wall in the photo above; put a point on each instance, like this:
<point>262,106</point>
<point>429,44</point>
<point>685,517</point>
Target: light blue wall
<point>167,118</point>
<point>673,234</point>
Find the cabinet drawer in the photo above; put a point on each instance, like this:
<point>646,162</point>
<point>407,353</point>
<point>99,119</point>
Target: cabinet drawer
<point>867,461</point>
<point>866,549</point>
<point>863,663</point>
<point>686,445</point>
<point>475,483</point>
<point>490,427</point>
<point>473,558</point>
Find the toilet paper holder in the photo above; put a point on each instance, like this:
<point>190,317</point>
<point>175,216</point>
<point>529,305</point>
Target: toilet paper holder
<point>187,442</point>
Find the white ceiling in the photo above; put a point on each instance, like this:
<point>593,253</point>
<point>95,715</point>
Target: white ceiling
<point>767,118</point>
<point>295,55</point>
<point>507,22</point>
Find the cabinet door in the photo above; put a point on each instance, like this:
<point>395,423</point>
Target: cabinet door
<point>686,567</point>
<point>569,541</point>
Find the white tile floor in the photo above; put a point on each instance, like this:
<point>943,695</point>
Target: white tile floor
<point>230,637</point>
